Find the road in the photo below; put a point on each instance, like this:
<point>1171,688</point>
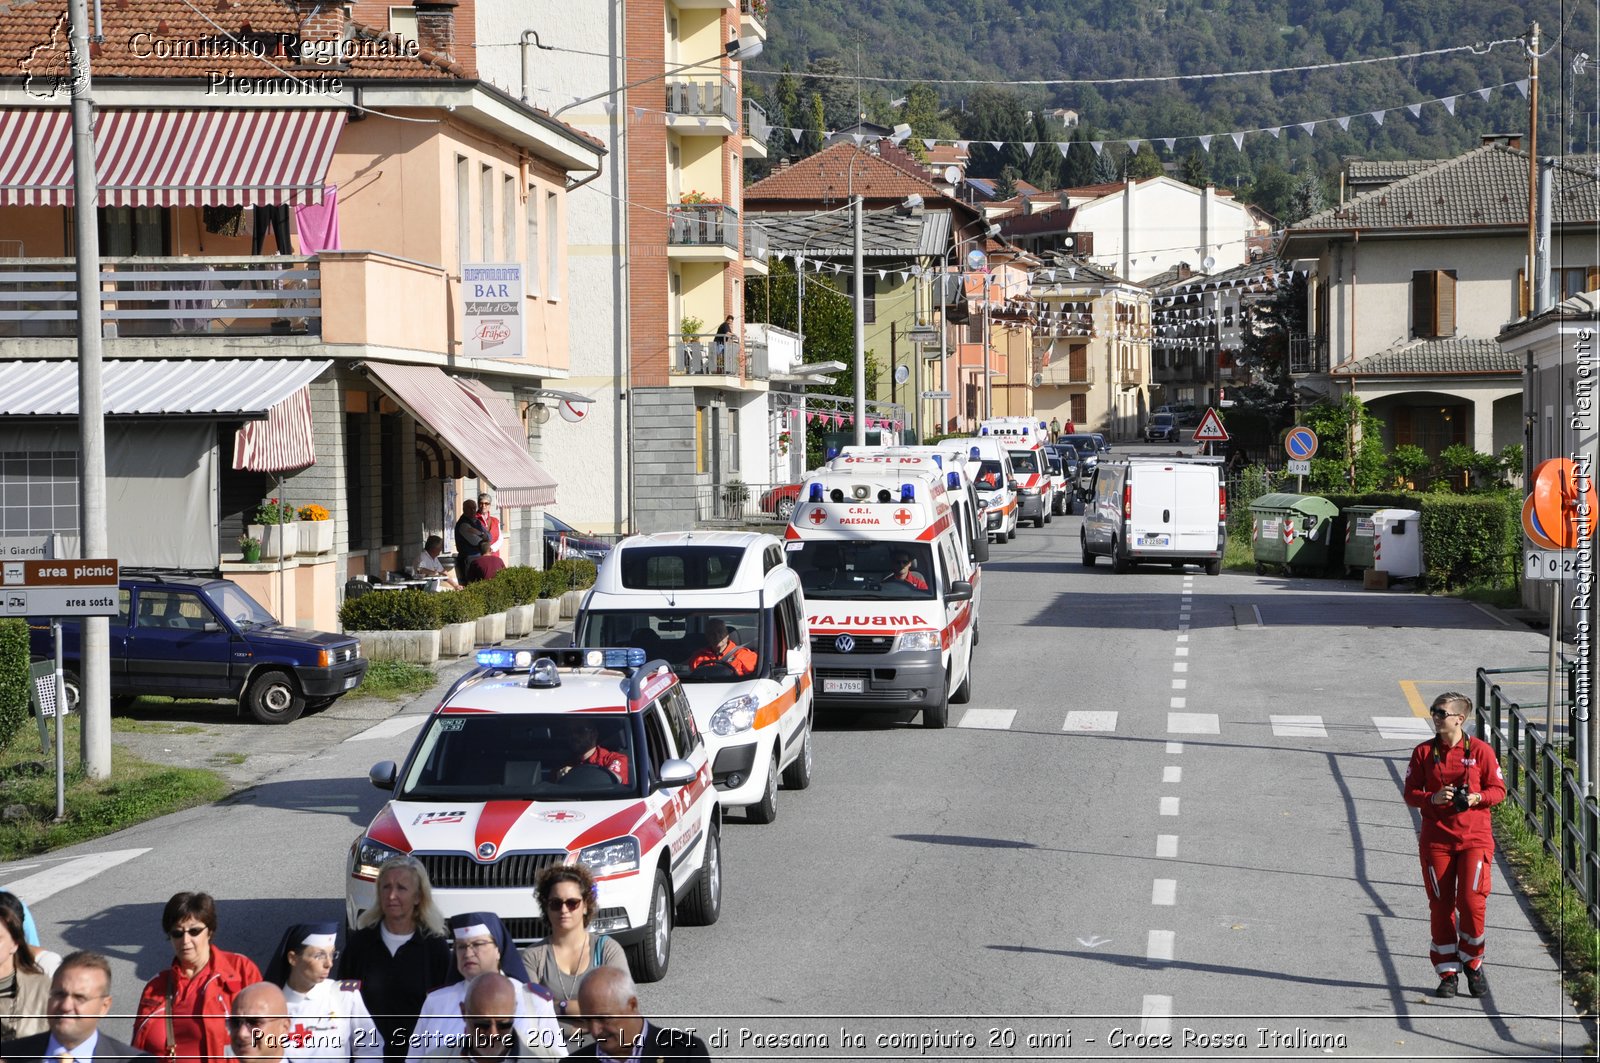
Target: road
<point>1171,810</point>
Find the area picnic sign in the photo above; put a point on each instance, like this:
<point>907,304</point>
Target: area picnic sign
<point>68,587</point>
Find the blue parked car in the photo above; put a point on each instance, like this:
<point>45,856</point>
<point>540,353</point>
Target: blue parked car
<point>196,637</point>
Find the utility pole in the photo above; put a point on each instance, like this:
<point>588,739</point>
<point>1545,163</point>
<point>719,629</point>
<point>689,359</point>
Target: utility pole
<point>860,325</point>
<point>95,707</point>
<point>1533,153</point>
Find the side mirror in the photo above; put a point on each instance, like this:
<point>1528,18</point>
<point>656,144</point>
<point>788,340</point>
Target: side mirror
<point>960,591</point>
<point>211,627</point>
<point>1012,484</point>
<point>382,774</point>
<point>675,772</point>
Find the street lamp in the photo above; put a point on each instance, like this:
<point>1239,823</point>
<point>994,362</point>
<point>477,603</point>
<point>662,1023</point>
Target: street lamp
<point>944,355</point>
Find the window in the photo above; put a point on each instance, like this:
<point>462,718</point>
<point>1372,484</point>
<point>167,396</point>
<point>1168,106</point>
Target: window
<point>1080,409</point>
<point>655,737</point>
<point>532,254</point>
<point>680,720</point>
<point>392,499</point>
<point>178,610</point>
<point>1433,303</point>
<point>356,477</point>
<point>486,211</point>
<point>733,440</point>
<point>126,231</point>
<point>38,493</point>
<point>463,211</point>
<point>1227,316</point>
<point>508,218</point>
<point>403,23</point>
<point>680,567</point>
<point>869,296</point>
<point>1078,362</point>
<point>552,244</point>
<point>702,439</point>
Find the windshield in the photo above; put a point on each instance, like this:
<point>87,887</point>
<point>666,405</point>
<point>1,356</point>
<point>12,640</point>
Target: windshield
<point>701,645</point>
<point>865,569</point>
<point>494,756</point>
<point>1054,463</point>
<point>990,476</point>
<point>232,602</point>
<point>556,524</point>
<point>1085,444</point>
<point>1024,461</point>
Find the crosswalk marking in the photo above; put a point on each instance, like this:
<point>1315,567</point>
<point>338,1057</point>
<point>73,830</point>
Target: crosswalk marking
<point>1169,806</point>
<point>1155,1018</point>
<point>40,885</point>
<point>1090,721</point>
<point>1167,846</point>
<point>1193,723</point>
<point>1178,703</point>
<point>1160,945</point>
<point>393,727</point>
<point>1164,891</point>
<point>1298,727</point>
<point>1171,773</point>
<point>989,719</point>
<point>1408,728</point>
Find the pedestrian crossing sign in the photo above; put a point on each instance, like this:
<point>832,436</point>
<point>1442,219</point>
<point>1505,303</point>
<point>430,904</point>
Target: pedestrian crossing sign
<point>1210,429</point>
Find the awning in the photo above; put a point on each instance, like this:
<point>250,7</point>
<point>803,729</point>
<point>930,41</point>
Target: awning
<point>171,157</point>
<point>495,405</point>
<point>211,388</point>
<point>433,398</point>
<point>280,443</point>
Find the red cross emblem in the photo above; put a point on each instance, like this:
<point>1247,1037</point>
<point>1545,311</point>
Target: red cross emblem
<point>559,817</point>
<point>818,516</point>
<point>902,516</point>
<point>300,1035</point>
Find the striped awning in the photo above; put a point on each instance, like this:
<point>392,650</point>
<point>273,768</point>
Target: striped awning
<point>204,388</point>
<point>280,443</point>
<point>160,157</point>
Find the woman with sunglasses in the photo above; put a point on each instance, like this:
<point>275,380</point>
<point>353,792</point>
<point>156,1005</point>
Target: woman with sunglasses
<point>484,946</point>
<point>569,951</point>
<point>183,1011</point>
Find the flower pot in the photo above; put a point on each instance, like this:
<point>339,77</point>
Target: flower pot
<point>316,536</point>
<point>252,554</point>
<point>491,629</point>
<point>457,640</point>
<point>519,621</point>
<point>277,540</point>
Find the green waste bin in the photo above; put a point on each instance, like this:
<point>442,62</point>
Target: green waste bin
<point>1358,537</point>
<point>1291,530</point>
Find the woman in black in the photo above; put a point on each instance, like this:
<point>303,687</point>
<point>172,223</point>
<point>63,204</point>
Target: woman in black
<point>400,952</point>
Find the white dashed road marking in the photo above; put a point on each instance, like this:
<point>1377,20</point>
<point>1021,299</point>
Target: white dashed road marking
<point>1160,945</point>
<point>1181,651</point>
<point>1299,727</point>
<point>1156,1016</point>
<point>1169,806</point>
<point>1090,721</point>
<point>390,728</point>
<point>1193,723</point>
<point>1171,773</point>
<point>1180,666</point>
<point>989,719</point>
<point>34,888</point>
<point>1167,846</point>
<point>1178,703</point>
<point>1403,727</point>
<point>1180,684</point>
<point>1164,891</point>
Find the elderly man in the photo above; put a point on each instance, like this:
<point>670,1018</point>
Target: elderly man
<point>489,1011</point>
<point>609,1002</point>
<point>80,992</point>
<point>259,1026</point>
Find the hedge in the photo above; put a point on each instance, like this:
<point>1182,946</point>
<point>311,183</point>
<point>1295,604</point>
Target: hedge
<point>409,610</point>
<point>458,607</point>
<point>13,679</point>
<point>524,583</point>
<point>1465,538</point>
<point>570,574</point>
<point>494,593</point>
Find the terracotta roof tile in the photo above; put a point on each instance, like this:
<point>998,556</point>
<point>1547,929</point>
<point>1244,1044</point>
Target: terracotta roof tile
<point>832,174</point>
<point>1436,356</point>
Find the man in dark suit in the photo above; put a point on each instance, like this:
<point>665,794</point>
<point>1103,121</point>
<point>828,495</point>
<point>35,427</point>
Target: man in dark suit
<point>80,993</point>
<point>610,1005</point>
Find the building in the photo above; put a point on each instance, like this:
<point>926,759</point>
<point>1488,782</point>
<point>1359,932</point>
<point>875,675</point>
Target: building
<point>1093,339</point>
<point>346,369</point>
<point>1412,280</point>
<point>1200,324</point>
<point>659,247</point>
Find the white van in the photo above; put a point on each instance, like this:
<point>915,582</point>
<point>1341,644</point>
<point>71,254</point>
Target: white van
<point>1157,511</point>
<point>1024,440</point>
<point>674,594</point>
<point>960,491</point>
<point>989,465</point>
<point>891,594</point>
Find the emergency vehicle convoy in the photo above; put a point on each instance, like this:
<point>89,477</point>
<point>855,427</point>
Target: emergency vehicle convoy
<point>960,490</point>
<point>990,466</point>
<point>1024,441</point>
<point>725,612</point>
<point>891,591</point>
<point>533,759</point>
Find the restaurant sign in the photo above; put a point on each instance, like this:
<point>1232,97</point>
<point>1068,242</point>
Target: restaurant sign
<point>491,302</point>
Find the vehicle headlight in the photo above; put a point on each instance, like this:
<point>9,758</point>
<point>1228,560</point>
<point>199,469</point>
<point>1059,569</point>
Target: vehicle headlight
<point>366,856</point>
<point>735,715</point>
<point>918,640</point>
<point>611,858</point>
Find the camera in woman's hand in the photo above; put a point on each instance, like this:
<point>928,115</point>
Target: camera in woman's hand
<point>1461,799</point>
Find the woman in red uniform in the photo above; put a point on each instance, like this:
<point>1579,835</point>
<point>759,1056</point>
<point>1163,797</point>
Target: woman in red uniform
<point>183,1010</point>
<point>1454,780</point>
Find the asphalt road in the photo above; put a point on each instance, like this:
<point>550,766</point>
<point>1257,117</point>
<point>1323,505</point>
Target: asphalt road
<point>1170,818</point>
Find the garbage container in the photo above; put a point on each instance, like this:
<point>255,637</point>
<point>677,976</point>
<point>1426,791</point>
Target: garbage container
<point>1291,530</point>
<point>1397,542</point>
<point>1358,534</point>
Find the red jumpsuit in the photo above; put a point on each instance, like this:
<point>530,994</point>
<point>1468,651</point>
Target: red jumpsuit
<point>1457,848</point>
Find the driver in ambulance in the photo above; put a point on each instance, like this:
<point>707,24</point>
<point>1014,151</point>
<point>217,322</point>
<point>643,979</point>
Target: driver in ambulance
<point>720,649</point>
<point>583,742</point>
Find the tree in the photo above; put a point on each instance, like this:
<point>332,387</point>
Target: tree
<point>811,139</point>
<point>1105,168</point>
<point>995,114</point>
<point>1195,172</point>
<point>1307,198</point>
<point>1077,168</point>
<point>924,116</point>
<point>838,96</point>
<point>1146,163</point>
<point>1044,164</point>
<point>1006,185</point>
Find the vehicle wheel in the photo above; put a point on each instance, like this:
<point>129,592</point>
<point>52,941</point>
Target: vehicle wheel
<point>766,809</point>
<point>1119,564</point>
<point>1214,568</point>
<point>74,690</point>
<point>1042,519</point>
<point>1261,569</point>
<point>122,702</point>
<point>936,716</point>
<point>273,698</point>
<point>963,693</point>
<point>797,776</point>
<point>1083,544</point>
<point>1177,566</point>
<point>704,903</point>
<point>784,509</point>
<point>649,957</point>
<point>1012,534</point>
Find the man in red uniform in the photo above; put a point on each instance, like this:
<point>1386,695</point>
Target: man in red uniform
<point>903,573</point>
<point>584,742</point>
<point>1454,780</point>
<point>720,649</point>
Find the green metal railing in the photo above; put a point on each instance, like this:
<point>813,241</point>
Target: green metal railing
<point>1541,783</point>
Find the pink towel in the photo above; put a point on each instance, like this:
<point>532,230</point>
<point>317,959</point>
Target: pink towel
<point>319,223</point>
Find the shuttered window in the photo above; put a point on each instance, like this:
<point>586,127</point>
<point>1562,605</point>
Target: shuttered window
<point>1078,362</point>
<point>1433,303</point>
<point>1080,411</point>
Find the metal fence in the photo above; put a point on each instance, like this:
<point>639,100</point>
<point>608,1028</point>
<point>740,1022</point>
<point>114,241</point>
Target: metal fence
<point>735,504</point>
<point>1541,784</point>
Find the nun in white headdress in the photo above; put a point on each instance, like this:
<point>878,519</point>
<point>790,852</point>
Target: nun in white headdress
<point>483,945</point>
<point>328,1020</point>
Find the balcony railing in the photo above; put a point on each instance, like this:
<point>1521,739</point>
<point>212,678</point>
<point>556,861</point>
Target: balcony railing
<point>757,244</point>
<point>704,98</point>
<point>1128,376</point>
<point>735,504</point>
<point>702,355</point>
<point>756,126</point>
<point>704,225</point>
<point>225,296</point>
<point>1307,355</point>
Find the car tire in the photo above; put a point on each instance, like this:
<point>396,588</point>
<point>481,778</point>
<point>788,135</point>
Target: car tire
<point>1012,534</point>
<point>1261,569</point>
<point>704,903</point>
<point>123,702</point>
<point>963,693</point>
<point>936,717</point>
<point>766,809</point>
<point>1119,564</point>
<point>784,509</point>
<point>648,958</point>
<point>273,697</point>
<point>797,776</point>
<point>1083,545</point>
<point>74,690</point>
<point>1214,568</point>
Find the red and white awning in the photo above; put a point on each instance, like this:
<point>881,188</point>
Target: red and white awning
<point>162,157</point>
<point>280,443</point>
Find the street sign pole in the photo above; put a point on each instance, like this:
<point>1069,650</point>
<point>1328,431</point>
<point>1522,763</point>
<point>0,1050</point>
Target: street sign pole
<point>61,726</point>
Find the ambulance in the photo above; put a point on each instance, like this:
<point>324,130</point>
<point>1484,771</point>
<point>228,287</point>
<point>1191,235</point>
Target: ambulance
<point>891,593</point>
<point>962,492</point>
<point>989,464</point>
<point>1024,439</point>
<point>728,616</point>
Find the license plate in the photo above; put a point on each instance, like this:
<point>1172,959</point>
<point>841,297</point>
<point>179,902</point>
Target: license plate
<point>1153,540</point>
<point>844,686</point>
<point>350,684</point>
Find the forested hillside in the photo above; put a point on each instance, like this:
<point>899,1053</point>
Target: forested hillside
<point>832,48</point>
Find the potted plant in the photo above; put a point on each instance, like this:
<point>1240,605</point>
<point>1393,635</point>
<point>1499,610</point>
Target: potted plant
<point>273,523</point>
<point>692,352</point>
<point>316,529</point>
<point>250,547</point>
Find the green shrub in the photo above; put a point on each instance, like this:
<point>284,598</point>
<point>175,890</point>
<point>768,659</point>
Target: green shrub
<point>496,595</point>
<point>13,678</point>
<point>571,574</point>
<point>458,607</point>
<point>1252,482</point>
<point>524,583</point>
<point>1406,463</point>
<point>408,610</point>
<point>1470,538</point>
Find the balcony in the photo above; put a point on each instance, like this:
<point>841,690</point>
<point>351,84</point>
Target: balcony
<point>1307,354</point>
<point>752,18</point>
<point>756,130</point>
<point>1128,378</point>
<point>703,106</point>
<point>727,360</point>
<point>1063,374</point>
<point>703,232</point>
<point>757,247</point>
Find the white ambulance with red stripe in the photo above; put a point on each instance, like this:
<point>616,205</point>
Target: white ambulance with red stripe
<point>728,615</point>
<point>891,591</point>
<point>556,756</point>
<point>1024,441</point>
<point>989,465</point>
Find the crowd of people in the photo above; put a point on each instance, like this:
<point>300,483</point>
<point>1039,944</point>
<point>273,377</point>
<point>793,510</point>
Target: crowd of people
<point>409,986</point>
<point>479,546</point>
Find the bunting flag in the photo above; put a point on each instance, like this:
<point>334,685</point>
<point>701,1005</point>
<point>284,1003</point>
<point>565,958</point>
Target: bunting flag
<point>1062,147</point>
<point>929,143</point>
<point>1133,146</point>
<point>796,134</point>
<point>1310,128</point>
<point>1167,142</point>
<point>1485,92</point>
<point>1415,109</point>
<point>1098,146</point>
<point>1276,131</point>
<point>1238,139</point>
<point>997,144</point>
<point>1028,146</point>
<point>1450,103</point>
<point>1205,143</point>
<point>1522,87</point>
<point>1344,122</point>
<point>1377,116</point>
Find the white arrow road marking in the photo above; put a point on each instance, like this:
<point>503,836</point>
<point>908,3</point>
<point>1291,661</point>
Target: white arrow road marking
<point>44,884</point>
<point>1094,941</point>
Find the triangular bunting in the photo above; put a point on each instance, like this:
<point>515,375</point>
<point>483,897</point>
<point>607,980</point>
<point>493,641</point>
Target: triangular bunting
<point>1028,147</point>
<point>1310,128</point>
<point>1522,87</point>
<point>796,134</point>
<point>1098,146</point>
<point>1168,142</point>
<point>1238,140</point>
<point>1276,131</point>
<point>638,114</point>
<point>1377,116</point>
<point>1415,109</point>
<point>962,145</point>
<point>1133,146</point>
<point>1344,122</point>
<point>1485,92</point>
<point>1205,142</point>
<point>1063,146</point>
<point>1449,104</point>
<point>930,143</point>
<point>858,138</point>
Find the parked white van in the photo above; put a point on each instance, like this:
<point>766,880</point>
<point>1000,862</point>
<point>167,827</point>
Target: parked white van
<point>1157,511</point>
<point>891,595</point>
<point>989,464</point>
<point>960,490</point>
<point>725,612</point>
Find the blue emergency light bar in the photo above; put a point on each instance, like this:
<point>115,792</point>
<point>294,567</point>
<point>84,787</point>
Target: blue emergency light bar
<point>833,452</point>
<point>953,480</point>
<point>983,431</point>
<point>506,660</point>
<point>816,492</point>
<point>618,657</point>
<point>908,492</point>
<point>938,460</point>
<point>974,455</point>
